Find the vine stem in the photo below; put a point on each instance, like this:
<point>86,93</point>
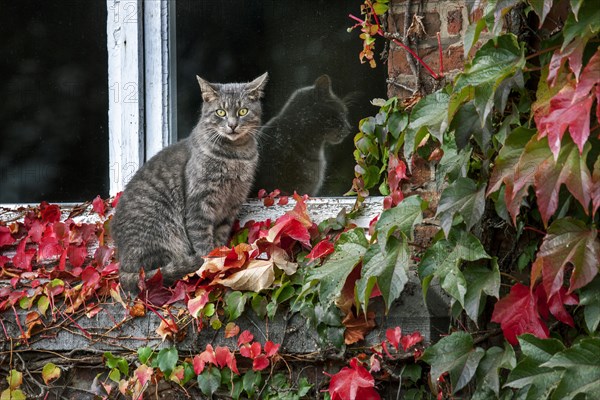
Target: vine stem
<point>439,39</point>
<point>381,33</point>
<point>531,228</point>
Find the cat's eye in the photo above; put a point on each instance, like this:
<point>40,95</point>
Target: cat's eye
<point>221,113</point>
<point>242,112</point>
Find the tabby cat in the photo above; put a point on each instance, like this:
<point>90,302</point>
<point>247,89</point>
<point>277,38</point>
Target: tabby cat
<point>292,144</point>
<point>182,202</point>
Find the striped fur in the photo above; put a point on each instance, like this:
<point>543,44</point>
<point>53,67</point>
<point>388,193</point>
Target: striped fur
<point>182,202</point>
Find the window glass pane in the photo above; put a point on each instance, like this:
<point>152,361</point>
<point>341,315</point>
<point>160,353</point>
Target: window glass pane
<point>297,43</point>
<point>53,113</point>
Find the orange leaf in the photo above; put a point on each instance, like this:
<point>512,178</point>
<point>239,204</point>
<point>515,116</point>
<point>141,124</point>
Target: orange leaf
<point>358,327</point>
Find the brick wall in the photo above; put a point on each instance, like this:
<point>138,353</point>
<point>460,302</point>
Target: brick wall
<point>450,19</point>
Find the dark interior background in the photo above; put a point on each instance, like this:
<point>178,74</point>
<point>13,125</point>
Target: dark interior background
<point>54,101</point>
<point>296,42</point>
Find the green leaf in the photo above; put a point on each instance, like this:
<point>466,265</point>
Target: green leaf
<point>465,122</point>
<point>465,197</point>
<point>575,6</point>
<point>259,305</point>
<point>349,250</point>
<point>480,280</point>
<point>484,101</point>
<point>589,297</point>
<point>235,303</point>
<point>443,260</point>
<point>487,374</point>
<point>493,63</point>
<point>586,25</point>
<point>50,372</point>
<point>431,112</point>
<point>581,364</point>
<point>116,362</point>
<point>453,165</point>
<point>386,269</point>
<point>454,354</point>
<point>401,218</point>
<point>397,122</point>
<point>472,35</point>
<point>541,8</point>
<point>509,156</point>
<point>251,381</point>
<point>303,387</point>
<point>167,359</point>
<point>14,379</point>
<point>43,303</point>
<point>529,370</point>
<point>209,381</point>
<point>12,394</point>
<point>144,354</point>
<point>380,8</point>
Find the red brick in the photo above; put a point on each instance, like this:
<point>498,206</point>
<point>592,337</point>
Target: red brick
<point>455,22</point>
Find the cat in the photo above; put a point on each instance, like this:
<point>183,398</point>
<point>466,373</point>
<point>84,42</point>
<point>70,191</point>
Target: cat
<point>182,203</point>
<point>292,144</point>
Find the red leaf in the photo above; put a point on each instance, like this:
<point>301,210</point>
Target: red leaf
<point>300,211</point>
<point>260,362</point>
<point>518,313</point>
<point>225,358</point>
<point>90,277</point>
<point>153,290</point>
<point>99,206</point>
<point>6,237</point>
<point>571,108</point>
<point>261,194</point>
<point>568,241</point>
<point>49,212</point>
<point>22,258</point>
<point>245,337</point>
<point>36,230</point>
<point>250,350</point>
<point>50,246</point>
<point>103,255</point>
<point>231,330</point>
<point>271,348</point>
<point>287,225</point>
<point>321,249</point>
<point>393,335</point>
<point>353,383</point>
<point>556,305</point>
<point>115,201</point>
<point>409,341</point>
<point>77,255</point>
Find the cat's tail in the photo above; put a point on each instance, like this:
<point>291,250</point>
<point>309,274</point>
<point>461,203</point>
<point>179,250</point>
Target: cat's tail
<point>171,272</point>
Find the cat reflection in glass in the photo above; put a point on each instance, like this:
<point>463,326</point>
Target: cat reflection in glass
<point>293,143</point>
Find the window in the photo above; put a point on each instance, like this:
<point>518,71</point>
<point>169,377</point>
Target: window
<point>53,120</point>
<point>93,89</point>
<point>296,42</point>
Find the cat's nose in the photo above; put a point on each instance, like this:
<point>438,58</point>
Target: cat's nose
<point>232,126</point>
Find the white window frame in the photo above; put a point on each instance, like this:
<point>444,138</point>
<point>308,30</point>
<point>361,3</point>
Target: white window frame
<point>142,98</point>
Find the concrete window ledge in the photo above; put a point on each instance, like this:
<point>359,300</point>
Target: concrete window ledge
<point>76,343</point>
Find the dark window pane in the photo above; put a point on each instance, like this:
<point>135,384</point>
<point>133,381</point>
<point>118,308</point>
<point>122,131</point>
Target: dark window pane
<point>296,42</point>
<point>54,108</point>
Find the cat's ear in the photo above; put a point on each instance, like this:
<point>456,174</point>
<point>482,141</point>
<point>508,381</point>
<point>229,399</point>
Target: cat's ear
<point>209,92</point>
<point>256,88</point>
<point>323,86</point>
